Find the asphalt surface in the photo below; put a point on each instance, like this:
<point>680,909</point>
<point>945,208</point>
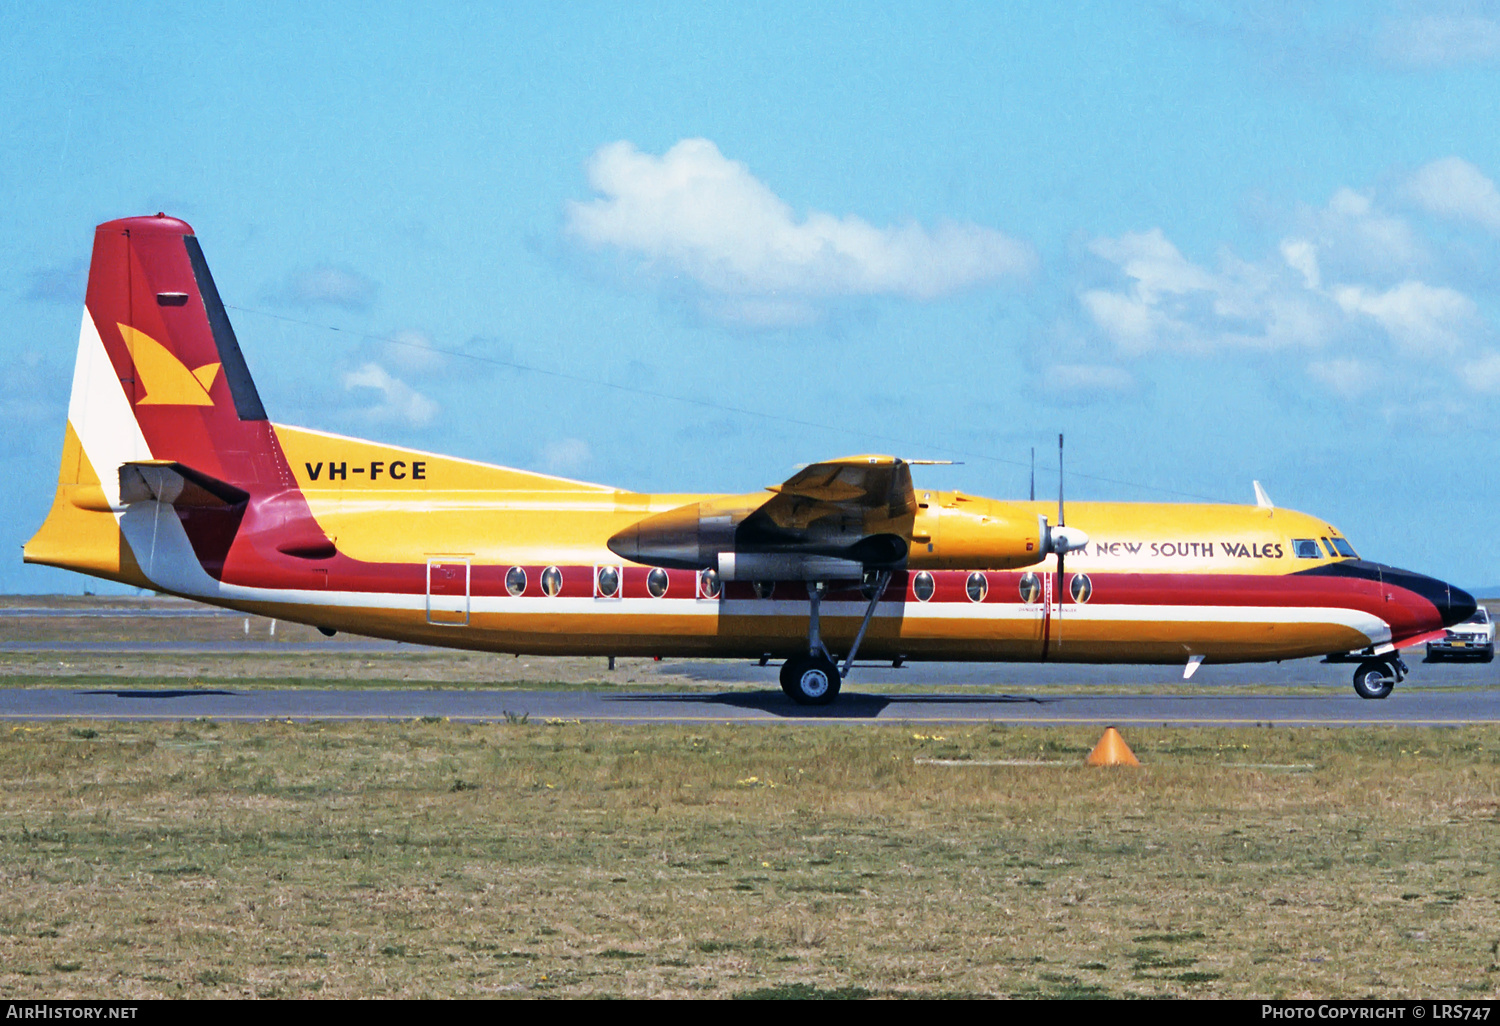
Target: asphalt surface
<point>1213,706</point>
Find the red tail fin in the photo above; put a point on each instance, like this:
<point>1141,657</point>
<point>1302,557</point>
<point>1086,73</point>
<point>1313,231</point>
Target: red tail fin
<point>170,343</point>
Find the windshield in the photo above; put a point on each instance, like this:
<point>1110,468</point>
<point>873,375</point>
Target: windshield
<point>1481,615</point>
<point>1344,548</point>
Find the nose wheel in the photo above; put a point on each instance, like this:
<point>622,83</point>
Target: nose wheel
<point>1376,678</point>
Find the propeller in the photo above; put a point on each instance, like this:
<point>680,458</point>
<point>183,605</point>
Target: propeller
<point>1062,524</point>
<point>1063,539</point>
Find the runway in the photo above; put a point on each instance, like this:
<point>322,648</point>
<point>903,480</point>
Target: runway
<point>1413,707</point>
<point>179,661</point>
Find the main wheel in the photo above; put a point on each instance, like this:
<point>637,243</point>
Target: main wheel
<point>810,680</point>
<point>1374,679</point>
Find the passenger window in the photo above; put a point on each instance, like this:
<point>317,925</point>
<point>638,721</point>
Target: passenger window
<point>978,586</point>
<point>1031,588</point>
<point>764,589</point>
<point>515,581</point>
<point>708,584</point>
<point>1081,588</point>
<point>551,581</point>
<point>607,582</point>
<point>656,582</point>
<point>922,587</point>
<point>1305,548</point>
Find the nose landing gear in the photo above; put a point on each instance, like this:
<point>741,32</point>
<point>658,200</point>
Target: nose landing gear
<point>1376,678</point>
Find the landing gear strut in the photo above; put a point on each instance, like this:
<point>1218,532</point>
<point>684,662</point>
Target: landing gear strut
<point>1375,678</point>
<point>814,679</point>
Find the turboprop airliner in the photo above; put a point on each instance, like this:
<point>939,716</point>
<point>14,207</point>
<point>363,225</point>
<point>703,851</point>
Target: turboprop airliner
<point>174,479</point>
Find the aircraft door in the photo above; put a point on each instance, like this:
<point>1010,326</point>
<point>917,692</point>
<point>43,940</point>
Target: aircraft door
<point>448,590</point>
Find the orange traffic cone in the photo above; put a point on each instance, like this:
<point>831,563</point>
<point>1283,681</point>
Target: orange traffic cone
<point>1112,751</point>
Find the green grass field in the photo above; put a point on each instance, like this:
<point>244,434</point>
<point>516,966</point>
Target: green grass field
<point>435,859</point>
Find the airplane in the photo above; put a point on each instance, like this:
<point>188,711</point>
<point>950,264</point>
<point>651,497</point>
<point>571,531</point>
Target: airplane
<point>174,479</point>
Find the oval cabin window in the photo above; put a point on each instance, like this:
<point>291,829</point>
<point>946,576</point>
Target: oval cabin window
<point>656,582</point>
<point>608,581</point>
<point>922,586</point>
<point>551,581</point>
<point>1030,588</point>
<point>515,581</point>
<point>1081,588</point>
<point>978,586</point>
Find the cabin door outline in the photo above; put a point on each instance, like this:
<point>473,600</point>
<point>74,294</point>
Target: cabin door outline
<point>448,588</point>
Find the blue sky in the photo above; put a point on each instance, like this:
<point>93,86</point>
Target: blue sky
<point>1212,242</point>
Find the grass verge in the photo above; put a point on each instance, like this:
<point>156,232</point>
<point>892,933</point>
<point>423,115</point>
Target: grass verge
<point>448,860</point>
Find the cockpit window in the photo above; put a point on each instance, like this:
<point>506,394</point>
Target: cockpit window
<point>1328,548</point>
<point>1345,549</point>
<point>1305,548</point>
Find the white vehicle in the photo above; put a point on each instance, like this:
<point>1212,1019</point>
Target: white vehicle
<point>1474,637</point>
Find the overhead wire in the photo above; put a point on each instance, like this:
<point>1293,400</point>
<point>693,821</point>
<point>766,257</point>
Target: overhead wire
<point>708,404</point>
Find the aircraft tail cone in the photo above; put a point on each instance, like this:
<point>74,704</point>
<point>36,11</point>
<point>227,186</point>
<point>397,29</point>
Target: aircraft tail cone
<point>1112,751</point>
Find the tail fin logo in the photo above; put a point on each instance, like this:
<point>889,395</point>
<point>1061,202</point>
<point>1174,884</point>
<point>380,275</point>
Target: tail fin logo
<point>166,380</point>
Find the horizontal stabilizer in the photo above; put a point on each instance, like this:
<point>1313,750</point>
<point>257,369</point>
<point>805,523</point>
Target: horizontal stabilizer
<point>177,485</point>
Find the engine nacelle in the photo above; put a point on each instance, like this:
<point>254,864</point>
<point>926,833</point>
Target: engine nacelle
<point>962,532</point>
<point>787,566</point>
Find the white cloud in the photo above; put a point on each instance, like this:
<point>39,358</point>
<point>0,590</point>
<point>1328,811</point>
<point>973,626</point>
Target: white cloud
<point>1348,270</point>
<point>1482,374</point>
<point>1355,237</point>
<point>1438,40</point>
<point>566,455</point>
<point>326,286</point>
<point>1455,189</point>
<point>397,401</point>
<point>692,212</point>
<point>1171,303</point>
<point>1346,376</point>
<point>1083,382</point>
<point>412,352</point>
<point>1302,256</point>
<point>1421,319</point>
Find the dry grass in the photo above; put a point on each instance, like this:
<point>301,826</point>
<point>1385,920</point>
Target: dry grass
<point>436,860</point>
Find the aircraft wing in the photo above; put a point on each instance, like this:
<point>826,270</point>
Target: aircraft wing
<point>830,519</point>
<point>860,506</point>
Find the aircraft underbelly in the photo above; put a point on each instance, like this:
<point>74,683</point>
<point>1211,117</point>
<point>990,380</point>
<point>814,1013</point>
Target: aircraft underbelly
<point>704,628</point>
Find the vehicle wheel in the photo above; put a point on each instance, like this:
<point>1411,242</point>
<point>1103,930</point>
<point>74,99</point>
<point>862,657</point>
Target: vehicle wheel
<point>810,680</point>
<point>1374,679</point>
<point>787,680</point>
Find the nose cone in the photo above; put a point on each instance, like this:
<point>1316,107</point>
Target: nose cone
<point>1458,606</point>
<point>1453,605</point>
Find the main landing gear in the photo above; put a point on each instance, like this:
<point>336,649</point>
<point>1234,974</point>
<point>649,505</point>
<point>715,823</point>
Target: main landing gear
<point>814,679</point>
<point>1375,678</point>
